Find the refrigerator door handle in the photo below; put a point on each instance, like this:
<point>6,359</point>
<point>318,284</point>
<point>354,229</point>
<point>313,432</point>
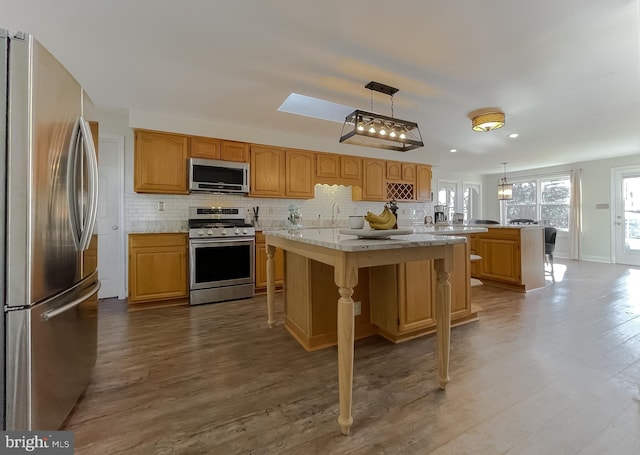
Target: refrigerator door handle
<point>74,216</point>
<point>92,174</point>
<point>53,313</point>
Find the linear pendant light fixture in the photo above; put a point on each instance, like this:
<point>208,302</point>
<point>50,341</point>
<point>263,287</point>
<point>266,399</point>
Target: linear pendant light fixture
<point>505,190</point>
<point>374,130</point>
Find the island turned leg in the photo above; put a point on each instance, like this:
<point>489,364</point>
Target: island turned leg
<point>271,284</point>
<point>443,319</point>
<point>346,279</point>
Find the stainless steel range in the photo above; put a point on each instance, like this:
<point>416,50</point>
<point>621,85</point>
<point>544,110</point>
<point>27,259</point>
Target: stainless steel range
<point>221,254</point>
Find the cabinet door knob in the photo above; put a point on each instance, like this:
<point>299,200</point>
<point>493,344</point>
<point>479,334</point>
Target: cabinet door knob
<point>114,227</point>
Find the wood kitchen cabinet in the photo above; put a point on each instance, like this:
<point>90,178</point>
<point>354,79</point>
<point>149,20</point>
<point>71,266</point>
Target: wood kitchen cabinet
<point>373,186</point>
<point>327,165</point>
<point>423,183</point>
<point>413,311</point>
<point>158,268</point>
<point>314,326</point>
<point>338,169</point>
<point>205,147</point>
<point>299,172</point>
<point>218,149</point>
<point>279,173</point>
<point>234,151</point>
<point>267,171</point>
<point>160,162</point>
<point>350,167</point>
<point>512,258</point>
<point>401,171</point>
<point>261,264</point>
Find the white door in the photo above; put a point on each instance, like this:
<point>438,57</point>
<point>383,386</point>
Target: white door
<point>111,266</point>
<point>626,215</point>
<point>448,196</point>
<point>471,200</point>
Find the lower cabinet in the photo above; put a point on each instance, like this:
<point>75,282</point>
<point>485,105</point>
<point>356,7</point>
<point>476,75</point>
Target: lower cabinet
<point>395,301</point>
<point>403,296</point>
<point>512,258</point>
<point>261,264</point>
<point>158,267</point>
<point>311,303</point>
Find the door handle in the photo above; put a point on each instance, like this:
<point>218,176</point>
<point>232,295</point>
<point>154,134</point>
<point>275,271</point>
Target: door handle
<point>114,227</point>
<point>53,313</point>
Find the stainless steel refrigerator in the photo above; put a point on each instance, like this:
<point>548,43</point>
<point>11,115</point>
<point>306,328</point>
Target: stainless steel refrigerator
<point>48,203</point>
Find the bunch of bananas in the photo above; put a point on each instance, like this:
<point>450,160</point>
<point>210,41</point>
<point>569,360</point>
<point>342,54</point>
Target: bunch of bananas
<point>386,220</point>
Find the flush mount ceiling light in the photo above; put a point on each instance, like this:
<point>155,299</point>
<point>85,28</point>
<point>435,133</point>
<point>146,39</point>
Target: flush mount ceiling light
<point>488,121</point>
<point>505,190</point>
<point>374,130</point>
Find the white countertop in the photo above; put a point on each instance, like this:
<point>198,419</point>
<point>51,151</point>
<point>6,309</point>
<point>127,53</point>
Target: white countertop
<point>331,238</point>
<point>509,226</point>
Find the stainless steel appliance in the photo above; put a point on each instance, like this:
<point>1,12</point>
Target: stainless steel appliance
<point>48,207</point>
<point>439,213</point>
<point>216,176</point>
<point>221,254</point>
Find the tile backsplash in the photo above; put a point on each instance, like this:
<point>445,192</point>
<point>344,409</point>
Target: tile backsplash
<point>142,212</point>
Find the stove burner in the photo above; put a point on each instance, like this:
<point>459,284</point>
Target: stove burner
<point>195,224</point>
<point>219,222</point>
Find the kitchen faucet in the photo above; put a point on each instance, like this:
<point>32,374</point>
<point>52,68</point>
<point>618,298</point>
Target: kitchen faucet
<point>335,209</point>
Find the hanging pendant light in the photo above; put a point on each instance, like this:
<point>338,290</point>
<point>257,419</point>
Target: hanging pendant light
<point>505,190</point>
<point>374,130</point>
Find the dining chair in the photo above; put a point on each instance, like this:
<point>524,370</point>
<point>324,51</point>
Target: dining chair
<point>522,221</point>
<point>549,248</point>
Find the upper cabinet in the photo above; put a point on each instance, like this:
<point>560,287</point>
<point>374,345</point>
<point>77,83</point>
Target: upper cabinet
<point>205,147</point>
<point>423,183</point>
<point>160,163</point>
<point>401,172</point>
<point>161,166</point>
<point>299,172</point>
<point>276,172</point>
<point>338,169</point>
<point>218,149</point>
<point>327,165</point>
<point>373,181</point>
<point>267,169</point>
<point>234,151</point>
<point>394,170</point>
<point>350,167</point>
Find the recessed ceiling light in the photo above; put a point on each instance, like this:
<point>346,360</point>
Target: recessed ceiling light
<point>513,135</point>
<point>453,150</point>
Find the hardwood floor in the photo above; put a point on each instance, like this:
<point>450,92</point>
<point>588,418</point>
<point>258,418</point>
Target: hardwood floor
<point>552,371</point>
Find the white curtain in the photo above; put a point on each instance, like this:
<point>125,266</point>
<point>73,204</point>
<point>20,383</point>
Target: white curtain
<point>575,214</point>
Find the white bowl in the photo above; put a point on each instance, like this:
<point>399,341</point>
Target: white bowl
<point>356,222</point>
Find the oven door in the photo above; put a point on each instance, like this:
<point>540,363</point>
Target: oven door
<point>221,262</point>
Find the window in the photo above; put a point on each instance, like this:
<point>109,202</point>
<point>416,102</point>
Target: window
<point>546,198</point>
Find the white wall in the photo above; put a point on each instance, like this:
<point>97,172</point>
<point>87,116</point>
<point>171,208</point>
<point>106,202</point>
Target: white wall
<point>596,189</point>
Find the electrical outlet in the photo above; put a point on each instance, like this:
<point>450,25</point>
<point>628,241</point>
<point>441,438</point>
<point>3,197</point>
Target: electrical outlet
<point>161,206</point>
<point>357,308</point>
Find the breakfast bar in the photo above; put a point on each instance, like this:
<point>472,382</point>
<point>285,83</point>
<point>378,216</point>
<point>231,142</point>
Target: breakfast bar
<point>348,253</point>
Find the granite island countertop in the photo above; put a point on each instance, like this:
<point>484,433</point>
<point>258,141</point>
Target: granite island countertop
<point>331,238</point>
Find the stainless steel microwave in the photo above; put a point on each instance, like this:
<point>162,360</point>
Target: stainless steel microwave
<point>215,176</point>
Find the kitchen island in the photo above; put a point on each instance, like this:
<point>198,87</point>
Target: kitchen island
<point>346,254</point>
<point>512,256</point>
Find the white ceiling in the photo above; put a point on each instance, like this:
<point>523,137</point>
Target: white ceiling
<point>565,72</point>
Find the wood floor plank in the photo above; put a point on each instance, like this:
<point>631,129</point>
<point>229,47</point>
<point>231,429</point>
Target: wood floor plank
<point>549,371</point>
